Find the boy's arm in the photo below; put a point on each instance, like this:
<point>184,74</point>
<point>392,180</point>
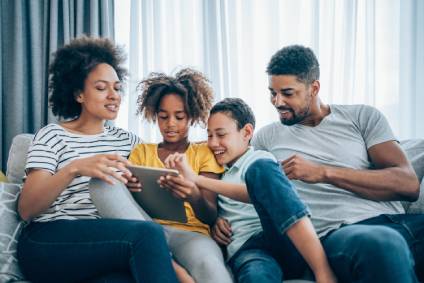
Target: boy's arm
<point>234,191</point>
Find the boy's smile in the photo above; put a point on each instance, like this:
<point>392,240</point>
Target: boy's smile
<point>225,140</point>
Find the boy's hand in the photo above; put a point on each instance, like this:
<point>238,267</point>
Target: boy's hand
<point>179,162</point>
<point>221,231</point>
<point>181,188</point>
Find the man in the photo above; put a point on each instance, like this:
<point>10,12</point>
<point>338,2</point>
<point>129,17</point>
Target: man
<point>348,168</point>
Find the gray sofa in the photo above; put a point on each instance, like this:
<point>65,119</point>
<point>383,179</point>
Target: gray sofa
<point>9,193</point>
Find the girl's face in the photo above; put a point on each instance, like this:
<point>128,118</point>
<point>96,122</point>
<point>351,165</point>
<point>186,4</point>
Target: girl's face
<point>173,120</point>
<point>101,96</point>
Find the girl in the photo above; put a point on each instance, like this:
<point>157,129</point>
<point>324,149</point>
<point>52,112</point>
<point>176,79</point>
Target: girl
<point>177,103</point>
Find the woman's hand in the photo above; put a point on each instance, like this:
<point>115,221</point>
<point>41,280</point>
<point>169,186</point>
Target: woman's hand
<point>102,166</point>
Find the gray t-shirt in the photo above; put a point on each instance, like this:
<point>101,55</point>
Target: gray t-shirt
<point>341,139</point>
<point>242,217</point>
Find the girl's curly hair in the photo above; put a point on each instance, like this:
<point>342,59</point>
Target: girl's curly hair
<point>191,85</point>
<point>71,66</point>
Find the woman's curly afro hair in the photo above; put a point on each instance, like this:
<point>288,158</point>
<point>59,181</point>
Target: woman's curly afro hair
<point>191,85</point>
<point>71,66</point>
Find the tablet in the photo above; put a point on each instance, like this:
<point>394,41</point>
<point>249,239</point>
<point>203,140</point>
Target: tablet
<point>156,201</point>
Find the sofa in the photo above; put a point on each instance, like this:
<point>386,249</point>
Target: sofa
<point>11,225</point>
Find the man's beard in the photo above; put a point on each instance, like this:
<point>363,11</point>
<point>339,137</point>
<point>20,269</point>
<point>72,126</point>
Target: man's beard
<point>296,117</point>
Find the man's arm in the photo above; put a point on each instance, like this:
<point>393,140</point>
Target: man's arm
<point>392,179</point>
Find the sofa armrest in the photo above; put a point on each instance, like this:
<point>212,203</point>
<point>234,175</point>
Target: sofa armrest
<point>17,158</point>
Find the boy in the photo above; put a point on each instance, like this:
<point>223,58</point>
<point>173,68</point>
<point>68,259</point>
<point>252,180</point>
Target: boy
<point>255,252</point>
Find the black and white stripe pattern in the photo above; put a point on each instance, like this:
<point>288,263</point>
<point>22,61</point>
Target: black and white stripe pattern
<point>53,148</point>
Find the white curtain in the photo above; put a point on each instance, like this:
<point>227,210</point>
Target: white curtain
<point>370,51</point>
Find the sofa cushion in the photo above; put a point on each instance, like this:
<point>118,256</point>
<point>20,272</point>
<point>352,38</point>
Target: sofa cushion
<point>17,158</point>
<point>417,206</point>
<point>10,229</point>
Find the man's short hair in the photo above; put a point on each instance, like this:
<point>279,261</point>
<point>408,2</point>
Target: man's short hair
<point>296,60</point>
<point>237,109</point>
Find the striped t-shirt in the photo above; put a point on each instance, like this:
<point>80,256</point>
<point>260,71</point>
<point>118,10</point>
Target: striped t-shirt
<point>53,148</point>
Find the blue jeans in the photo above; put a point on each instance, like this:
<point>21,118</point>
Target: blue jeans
<point>95,250</point>
<point>380,249</point>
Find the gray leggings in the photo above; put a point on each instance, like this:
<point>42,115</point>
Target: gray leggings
<point>199,254</point>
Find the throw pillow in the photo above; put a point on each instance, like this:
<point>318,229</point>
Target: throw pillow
<point>2,177</point>
<point>10,229</point>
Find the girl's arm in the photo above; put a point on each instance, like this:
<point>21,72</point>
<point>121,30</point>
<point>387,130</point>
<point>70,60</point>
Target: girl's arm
<point>41,188</point>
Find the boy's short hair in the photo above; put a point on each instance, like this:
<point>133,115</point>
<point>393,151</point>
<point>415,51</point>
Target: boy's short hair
<point>296,60</point>
<point>237,109</point>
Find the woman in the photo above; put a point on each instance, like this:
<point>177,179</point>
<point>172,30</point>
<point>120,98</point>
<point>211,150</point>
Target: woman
<point>65,240</point>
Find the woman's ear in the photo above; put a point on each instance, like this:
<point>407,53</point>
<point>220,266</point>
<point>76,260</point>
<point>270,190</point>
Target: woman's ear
<point>79,97</point>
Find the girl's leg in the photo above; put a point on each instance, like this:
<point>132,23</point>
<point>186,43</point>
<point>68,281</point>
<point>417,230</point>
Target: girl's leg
<point>83,250</point>
<point>199,254</point>
<point>115,201</point>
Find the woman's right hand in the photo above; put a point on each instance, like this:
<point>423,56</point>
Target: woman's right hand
<point>102,166</point>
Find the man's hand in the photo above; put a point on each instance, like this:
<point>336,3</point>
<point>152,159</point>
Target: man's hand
<point>298,168</point>
<point>221,231</point>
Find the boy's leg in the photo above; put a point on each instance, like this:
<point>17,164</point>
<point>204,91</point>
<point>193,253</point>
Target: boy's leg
<point>264,259</point>
<point>369,253</point>
<point>282,212</point>
<point>273,196</point>
<point>255,265</point>
<point>83,250</point>
<point>199,254</point>
<point>115,201</point>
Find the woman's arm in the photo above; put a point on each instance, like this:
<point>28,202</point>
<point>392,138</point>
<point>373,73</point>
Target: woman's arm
<point>41,188</point>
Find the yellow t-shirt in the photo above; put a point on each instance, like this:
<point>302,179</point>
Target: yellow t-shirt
<point>199,157</point>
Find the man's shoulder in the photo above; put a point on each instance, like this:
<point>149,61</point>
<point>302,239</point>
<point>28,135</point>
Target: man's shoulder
<point>353,110</point>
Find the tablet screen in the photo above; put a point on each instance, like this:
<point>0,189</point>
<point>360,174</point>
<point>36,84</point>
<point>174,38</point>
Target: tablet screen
<point>156,201</point>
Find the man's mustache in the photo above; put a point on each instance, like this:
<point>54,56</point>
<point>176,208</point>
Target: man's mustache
<point>282,108</point>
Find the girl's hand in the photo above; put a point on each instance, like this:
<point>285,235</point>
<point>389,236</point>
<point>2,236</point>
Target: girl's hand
<point>179,161</point>
<point>102,166</point>
<point>133,184</point>
<point>181,188</point>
